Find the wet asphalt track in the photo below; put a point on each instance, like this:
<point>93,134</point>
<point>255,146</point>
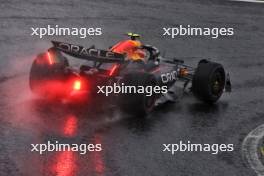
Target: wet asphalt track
<point>131,146</point>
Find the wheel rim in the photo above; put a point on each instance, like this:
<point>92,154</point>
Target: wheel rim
<point>217,84</point>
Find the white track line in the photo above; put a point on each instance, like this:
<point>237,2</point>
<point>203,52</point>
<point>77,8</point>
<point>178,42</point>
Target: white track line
<point>255,1</point>
<point>250,149</point>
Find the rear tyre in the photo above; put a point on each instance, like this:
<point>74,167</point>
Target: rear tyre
<point>208,81</point>
<point>139,104</point>
<point>44,69</point>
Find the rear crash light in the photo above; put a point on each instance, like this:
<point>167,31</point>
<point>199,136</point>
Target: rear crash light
<point>78,91</point>
<point>77,85</point>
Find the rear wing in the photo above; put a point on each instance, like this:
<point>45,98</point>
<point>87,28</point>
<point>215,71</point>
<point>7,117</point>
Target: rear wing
<point>90,54</point>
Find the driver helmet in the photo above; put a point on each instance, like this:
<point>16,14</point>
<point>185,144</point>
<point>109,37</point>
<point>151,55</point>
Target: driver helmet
<point>132,48</point>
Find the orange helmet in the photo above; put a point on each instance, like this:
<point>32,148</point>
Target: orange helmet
<point>130,47</point>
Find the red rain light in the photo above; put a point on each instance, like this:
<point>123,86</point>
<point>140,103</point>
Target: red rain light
<point>77,85</point>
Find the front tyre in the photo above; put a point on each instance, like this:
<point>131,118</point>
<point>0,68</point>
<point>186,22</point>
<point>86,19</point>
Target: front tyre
<point>208,81</point>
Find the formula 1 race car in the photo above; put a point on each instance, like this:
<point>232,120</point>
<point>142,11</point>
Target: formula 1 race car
<point>128,63</point>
